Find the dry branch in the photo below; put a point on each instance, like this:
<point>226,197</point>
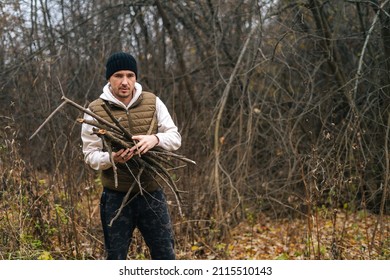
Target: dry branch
<point>47,119</point>
<point>88,112</point>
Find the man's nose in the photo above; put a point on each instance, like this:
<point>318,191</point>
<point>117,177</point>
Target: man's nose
<point>125,81</point>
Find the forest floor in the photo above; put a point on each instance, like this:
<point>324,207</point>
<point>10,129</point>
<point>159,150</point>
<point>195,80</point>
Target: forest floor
<point>327,235</point>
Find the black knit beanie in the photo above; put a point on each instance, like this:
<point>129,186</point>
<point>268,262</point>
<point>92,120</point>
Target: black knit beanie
<point>120,61</point>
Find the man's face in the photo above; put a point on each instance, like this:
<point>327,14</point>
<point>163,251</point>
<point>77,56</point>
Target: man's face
<point>122,85</point>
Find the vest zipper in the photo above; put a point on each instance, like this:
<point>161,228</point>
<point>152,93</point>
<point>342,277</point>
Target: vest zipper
<point>129,121</point>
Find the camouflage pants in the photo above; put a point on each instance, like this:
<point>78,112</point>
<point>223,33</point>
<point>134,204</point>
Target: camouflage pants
<point>148,212</point>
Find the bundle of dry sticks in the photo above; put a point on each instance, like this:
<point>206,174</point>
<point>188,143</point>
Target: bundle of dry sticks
<point>156,161</point>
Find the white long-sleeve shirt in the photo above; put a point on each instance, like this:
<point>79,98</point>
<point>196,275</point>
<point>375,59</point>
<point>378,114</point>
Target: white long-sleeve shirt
<point>167,132</point>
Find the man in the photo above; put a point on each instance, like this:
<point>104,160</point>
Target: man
<point>146,118</point>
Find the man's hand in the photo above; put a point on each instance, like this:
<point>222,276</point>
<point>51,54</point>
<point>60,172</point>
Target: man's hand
<point>144,143</point>
<point>122,155</point>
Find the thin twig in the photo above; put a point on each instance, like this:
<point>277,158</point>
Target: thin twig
<point>99,125</point>
<point>119,125</point>
<point>170,154</point>
<point>47,119</point>
<point>125,201</point>
<point>113,139</point>
<point>88,112</point>
<point>115,120</point>
<point>114,167</point>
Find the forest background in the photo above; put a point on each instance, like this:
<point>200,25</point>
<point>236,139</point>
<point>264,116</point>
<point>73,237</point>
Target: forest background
<point>284,105</point>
